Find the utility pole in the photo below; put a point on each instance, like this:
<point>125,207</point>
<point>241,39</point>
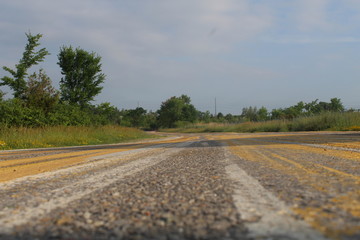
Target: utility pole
<point>215,108</point>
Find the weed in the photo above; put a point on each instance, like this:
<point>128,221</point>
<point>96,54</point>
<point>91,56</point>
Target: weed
<point>20,138</point>
<point>348,121</point>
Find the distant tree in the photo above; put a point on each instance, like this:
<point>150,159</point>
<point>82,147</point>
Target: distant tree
<point>82,75</point>
<point>229,117</point>
<point>110,114</point>
<point>353,110</point>
<point>176,109</point>
<point>40,93</point>
<point>277,114</point>
<point>312,107</point>
<point>220,115</point>
<point>186,99</point>
<point>250,113</point>
<point>296,110</point>
<point>336,105</point>
<point>204,116</point>
<point>308,109</point>
<point>17,82</point>
<point>136,117</point>
<point>170,111</point>
<point>262,114</point>
<point>316,107</point>
<point>151,121</point>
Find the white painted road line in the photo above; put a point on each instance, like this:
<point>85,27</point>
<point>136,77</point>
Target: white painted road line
<point>265,215</point>
<point>59,198</point>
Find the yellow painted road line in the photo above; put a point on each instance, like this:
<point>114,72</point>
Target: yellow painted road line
<point>341,173</point>
<point>21,152</point>
<point>15,168</point>
<point>54,157</point>
<point>323,150</point>
<point>307,172</point>
<point>298,165</point>
<point>9,173</point>
<point>252,153</point>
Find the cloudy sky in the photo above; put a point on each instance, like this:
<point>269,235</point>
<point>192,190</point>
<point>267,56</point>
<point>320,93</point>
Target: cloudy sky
<point>271,53</point>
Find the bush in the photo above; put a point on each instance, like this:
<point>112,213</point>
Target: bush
<point>16,113</point>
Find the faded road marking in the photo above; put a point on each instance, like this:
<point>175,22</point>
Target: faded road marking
<point>61,197</point>
<point>266,215</point>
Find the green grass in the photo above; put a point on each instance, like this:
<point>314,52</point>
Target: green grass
<point>22,138</point>
<point>349,121</point>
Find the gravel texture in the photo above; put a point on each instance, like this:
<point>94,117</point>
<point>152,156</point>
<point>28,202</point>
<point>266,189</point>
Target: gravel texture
<point>187,195</point>
<point>328,199</point>
<point>194,189</point>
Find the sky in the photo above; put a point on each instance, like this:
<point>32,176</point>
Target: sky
<point>271,53</point>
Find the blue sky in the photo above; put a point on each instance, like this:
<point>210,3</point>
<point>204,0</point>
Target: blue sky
<point>271,53</point>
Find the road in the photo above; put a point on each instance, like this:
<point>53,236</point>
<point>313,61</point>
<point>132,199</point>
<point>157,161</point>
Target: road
<point>198,186</point>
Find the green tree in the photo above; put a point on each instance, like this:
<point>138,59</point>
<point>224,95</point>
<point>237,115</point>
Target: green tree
<point>312,107</point>
<point>40,93</point>
<point>205,116</point>
<point>250,113</point>
<point>296,110</point>
<point>30,58</point>
<point>108,113</point>
<point>336,105</point>
<point>176,109</point>
<point>189,112</point>
<point>150,122</point>
<point>262,114</point>
<point>136,117</point>
<point>277,114</point>
<point>82,75</point>
<point>2,94</point>
<point>220,116</point>
<point>229,117</point>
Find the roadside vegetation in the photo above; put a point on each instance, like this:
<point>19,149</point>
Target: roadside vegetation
<point>38,115</point>
<point>330,121</point>
<point>58,136</point>
<point>312,116</point>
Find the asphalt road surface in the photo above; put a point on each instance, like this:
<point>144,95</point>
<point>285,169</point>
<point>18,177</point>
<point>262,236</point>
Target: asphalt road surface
<point>201,186</point>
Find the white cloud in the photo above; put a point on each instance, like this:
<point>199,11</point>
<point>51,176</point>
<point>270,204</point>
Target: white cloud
<point>162,26</point>
<point>312,15</point>
<point>168,46</point>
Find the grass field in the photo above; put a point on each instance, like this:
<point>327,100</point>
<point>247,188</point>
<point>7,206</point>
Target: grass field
<point>22,138</point>
<point>349,121</point>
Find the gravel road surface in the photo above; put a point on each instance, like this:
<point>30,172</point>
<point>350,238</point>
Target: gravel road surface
<point>210,186</point>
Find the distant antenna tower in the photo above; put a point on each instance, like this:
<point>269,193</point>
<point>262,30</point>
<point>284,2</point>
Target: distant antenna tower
<point>215,108</point>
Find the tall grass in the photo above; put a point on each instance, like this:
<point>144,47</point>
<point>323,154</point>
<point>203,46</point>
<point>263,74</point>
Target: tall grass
<point>326,121</point>
<point>21,138</point>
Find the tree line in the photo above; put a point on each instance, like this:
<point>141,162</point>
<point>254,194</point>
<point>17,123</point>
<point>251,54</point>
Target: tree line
<point>301,109</point>
<point>37,103</point>
<point>179,112</point>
